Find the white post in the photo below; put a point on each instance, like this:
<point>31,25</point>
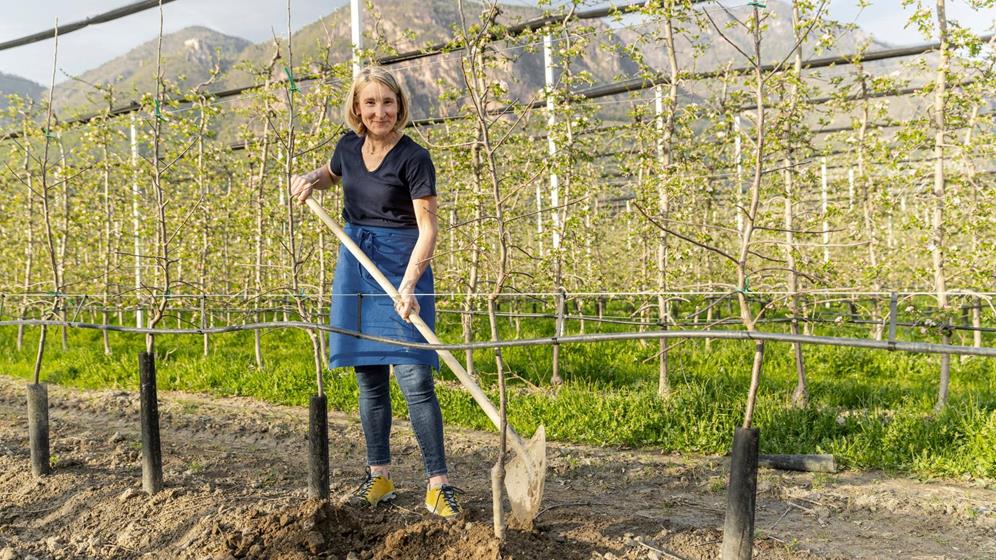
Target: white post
<point>850,188</point>
<point>659,113</point>
<point>136,222</point>
<point>824,192</point>
<point>356,20</point>
<point>282,191</point>
<point>539,217</point>
<point>890,240</point>
<point>551,120</point>
<point>738,156</point>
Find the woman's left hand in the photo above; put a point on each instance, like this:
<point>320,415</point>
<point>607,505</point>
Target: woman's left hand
<point>406,303</point>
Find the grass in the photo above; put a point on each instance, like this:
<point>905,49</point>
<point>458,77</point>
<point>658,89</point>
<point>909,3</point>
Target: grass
<point>871,409</point>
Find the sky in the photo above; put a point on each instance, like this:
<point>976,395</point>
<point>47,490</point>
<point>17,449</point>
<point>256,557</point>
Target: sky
<point>257,20</point>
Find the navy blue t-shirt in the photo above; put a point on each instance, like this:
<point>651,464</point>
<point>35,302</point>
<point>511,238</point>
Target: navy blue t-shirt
<point>383,197</point>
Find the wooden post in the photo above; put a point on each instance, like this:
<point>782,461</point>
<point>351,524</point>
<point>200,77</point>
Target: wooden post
<point>804,463</point>
<point>152,462</point>
<point>318,448</point>
<point>738,529</point>
<point>38,428</point>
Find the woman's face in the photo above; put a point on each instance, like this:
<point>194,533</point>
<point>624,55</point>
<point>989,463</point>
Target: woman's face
<point>377,107</point>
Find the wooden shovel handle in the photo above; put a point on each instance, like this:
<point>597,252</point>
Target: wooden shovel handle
<point>430,336</point>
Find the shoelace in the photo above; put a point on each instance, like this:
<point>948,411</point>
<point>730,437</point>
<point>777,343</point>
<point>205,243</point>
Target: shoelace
<point>365,486</point>
<point>449,494</point>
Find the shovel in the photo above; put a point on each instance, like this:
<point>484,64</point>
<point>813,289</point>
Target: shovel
<point>525,472</point>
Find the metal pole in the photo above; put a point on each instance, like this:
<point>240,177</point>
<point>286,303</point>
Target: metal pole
<point>912,347</point>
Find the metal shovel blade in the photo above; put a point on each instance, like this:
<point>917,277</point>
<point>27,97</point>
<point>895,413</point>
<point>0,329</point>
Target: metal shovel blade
<point>525,474</point>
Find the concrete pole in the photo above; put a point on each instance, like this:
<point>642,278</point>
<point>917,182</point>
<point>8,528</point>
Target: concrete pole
<point>136,222</point>
<point>738,157</point>
<point>551,120</point>
<point>356,21</point>
<point>824,195</point>
<point>850,188</point>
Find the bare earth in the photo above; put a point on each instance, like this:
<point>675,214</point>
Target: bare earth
<point>236,476</point>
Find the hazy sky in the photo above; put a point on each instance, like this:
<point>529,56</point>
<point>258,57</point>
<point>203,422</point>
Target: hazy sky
<point>254,20</point>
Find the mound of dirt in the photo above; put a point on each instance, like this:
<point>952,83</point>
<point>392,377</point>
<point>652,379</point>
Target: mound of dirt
<point>310,530</point>
<point>319,529</point>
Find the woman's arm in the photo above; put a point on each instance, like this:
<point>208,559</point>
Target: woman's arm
<point>319,179</point>
<point>428,229</point>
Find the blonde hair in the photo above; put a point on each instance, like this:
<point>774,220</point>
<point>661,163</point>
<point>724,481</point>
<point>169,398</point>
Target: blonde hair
<point>385,78</point>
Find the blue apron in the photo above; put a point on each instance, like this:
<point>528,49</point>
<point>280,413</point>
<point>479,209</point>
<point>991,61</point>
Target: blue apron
<point>359,304</point>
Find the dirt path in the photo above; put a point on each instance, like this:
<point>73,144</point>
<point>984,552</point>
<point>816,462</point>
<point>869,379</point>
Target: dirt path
<point>235,488</point>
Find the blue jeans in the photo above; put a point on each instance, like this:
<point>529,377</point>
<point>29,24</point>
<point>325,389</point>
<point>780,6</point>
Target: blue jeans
<point>415,381</point>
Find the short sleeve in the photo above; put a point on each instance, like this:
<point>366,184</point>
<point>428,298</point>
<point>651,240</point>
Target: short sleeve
<point>336,164</point>
<point>420,175</point>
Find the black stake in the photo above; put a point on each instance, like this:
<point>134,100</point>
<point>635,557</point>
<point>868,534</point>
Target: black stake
<point>318,448</point>
<point>38,428</point>
<point>738,531</point>
<point>152,460</point>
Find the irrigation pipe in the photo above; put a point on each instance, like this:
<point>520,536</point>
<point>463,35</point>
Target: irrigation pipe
<point>614,320</point>
<point>891,345</point>
<point>829,291</point>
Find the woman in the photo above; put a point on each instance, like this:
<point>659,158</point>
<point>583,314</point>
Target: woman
<point>389,186</point>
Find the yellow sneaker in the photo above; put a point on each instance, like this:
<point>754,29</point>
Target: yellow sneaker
<point>442,501</point>
<point>373,490</point>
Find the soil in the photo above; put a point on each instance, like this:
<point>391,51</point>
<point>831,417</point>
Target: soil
<point>235,475</point>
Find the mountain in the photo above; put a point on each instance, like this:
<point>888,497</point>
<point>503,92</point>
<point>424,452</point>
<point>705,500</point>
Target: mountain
<point>715,50</point>
<point>15,85</point>
<point>710,50</point>
<point>190,55</point>
<point>189,58</point>
<point>407,26</point>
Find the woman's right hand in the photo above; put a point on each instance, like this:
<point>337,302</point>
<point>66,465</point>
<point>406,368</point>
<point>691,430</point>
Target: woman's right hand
<point>301,187</point>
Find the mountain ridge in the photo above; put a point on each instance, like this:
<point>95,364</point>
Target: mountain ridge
<point>193,54</point>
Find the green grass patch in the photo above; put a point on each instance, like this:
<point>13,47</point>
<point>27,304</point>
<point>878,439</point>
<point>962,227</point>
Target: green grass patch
<point>871,409</point>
